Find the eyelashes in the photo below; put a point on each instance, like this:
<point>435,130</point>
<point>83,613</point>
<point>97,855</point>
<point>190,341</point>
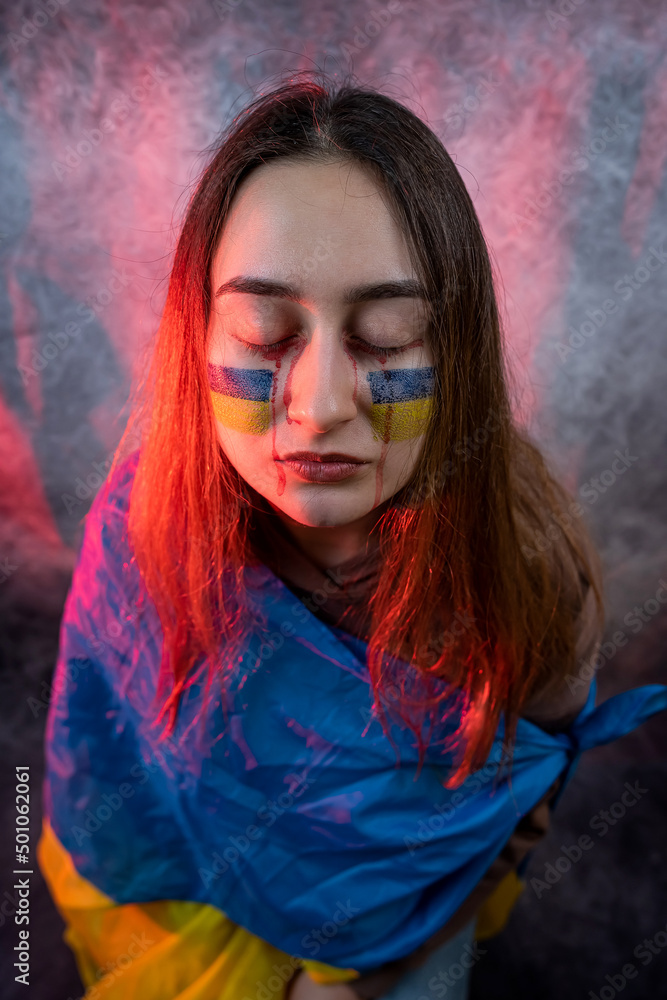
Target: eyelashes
<point>270,351</point>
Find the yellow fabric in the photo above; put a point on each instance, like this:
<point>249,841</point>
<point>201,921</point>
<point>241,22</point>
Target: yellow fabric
<point>321,973</point>
<point>185,950</point>
<point>494,912</point>
<point>169,949</point>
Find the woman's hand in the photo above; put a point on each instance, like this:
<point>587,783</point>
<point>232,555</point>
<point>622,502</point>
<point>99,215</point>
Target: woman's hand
<point>301,987</point>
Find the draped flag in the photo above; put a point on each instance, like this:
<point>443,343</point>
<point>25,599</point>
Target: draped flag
<point>296,822</point>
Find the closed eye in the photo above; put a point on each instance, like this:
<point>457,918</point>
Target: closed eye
<point>269,351</point>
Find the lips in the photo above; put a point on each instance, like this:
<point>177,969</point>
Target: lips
<point>314,456</point>
<point>322,468</point>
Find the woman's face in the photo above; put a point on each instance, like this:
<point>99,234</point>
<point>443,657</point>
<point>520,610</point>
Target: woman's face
<point>317,343</point>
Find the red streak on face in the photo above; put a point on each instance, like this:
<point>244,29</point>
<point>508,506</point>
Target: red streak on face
<point>281,472</point>
<point>287,389</point>
<point>356,373</point>
<point>383,454</point>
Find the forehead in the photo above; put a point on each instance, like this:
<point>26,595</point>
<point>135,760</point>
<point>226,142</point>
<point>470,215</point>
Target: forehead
<point>323,226</point>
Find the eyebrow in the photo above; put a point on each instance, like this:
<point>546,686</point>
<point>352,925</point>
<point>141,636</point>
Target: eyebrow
<point>406,287</point>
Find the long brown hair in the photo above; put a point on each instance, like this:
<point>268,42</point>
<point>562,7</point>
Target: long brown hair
<point>460,539</point>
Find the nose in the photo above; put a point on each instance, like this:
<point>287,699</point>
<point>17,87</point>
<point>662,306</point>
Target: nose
<point>322,384</point>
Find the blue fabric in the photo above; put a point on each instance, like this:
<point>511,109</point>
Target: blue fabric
<point>295,820</point>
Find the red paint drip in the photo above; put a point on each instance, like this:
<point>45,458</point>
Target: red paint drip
<point>287,389</point>
<point>281,472</point>
<point>356,373</point>
<point>379,472</point>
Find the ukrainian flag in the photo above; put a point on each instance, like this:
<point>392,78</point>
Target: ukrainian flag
<point>241,397</point>
<point>401,402</point>
<point>283,834</point>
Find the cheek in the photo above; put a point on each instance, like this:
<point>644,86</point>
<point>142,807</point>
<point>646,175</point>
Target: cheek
<point>241,397</point>
<point>401,402</point>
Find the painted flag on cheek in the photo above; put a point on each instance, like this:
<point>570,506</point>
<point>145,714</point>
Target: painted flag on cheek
<point>401,402</point>
<point>241,397</point>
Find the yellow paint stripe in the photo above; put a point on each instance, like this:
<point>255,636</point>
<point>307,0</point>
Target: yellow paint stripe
<point>400,421</point>
<point>246,415</point>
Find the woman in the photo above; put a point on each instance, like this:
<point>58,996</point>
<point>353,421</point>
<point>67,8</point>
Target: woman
<point>332,516</point>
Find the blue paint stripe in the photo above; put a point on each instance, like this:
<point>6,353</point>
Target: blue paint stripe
<point>243,383</point>
<point>398,384</point>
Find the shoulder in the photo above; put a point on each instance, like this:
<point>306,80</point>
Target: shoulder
<point>114,494</point>
<point>105,560</point>
<point>106,603</point>
<point>109,509</point>
<point>557,704</point>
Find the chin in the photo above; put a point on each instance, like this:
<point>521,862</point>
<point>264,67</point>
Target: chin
<point>322,509</point>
